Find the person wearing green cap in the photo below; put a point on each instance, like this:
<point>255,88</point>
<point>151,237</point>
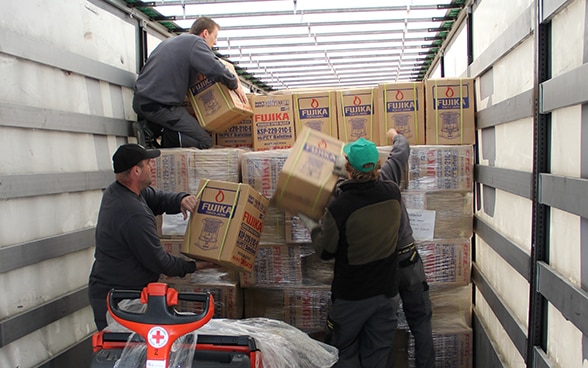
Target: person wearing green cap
<point>359,229</point>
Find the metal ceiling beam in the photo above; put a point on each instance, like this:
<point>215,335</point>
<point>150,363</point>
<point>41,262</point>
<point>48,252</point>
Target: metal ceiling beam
<point>336,23</point>
<point>327,43</point>
<point>324,34</point>
<point>335,75</point>
<point>408,55</point>
<point>326,69</point>
<point>306,52</point>
<point>431,7</point>
<point>341,64</point>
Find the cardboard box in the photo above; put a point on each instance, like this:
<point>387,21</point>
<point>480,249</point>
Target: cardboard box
<point>227,296</point>
<point>227,224</point>
<point>306,181</point>
<point>316,110</point>
<point>261,169</point>
<point>275,266</point>
<point>273,122</point>
<point>450,111</point>
<point>402,106</point>
<point>440,215</point>
<point>295,231</point>
<point>216,107</point>
<point>181,169</point>
<point>357,116</point>
<point>447,262</point>
<point>239,135</point>
<point>441,168</point>
<point>304,307</point>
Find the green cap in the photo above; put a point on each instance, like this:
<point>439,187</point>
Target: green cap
<point>362,154</point>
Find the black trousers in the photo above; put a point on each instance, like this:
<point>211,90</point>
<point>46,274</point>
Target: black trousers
<point>180,129</point>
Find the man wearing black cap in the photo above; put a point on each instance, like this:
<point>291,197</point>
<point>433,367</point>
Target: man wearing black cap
<point>359,229</point>
<point>128,251</point>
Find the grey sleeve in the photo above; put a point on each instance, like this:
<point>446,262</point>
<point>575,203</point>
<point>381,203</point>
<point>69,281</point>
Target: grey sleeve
<point>207,62</point>
<point>395,165</point>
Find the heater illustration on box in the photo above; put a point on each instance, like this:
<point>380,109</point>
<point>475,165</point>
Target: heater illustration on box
<point>402,124</point>
<point>209,235</point>
<point>313,167</point>
<point>358,128</point>
<point>315,124</point>
<point>210,103</point>
<point>449,124</point>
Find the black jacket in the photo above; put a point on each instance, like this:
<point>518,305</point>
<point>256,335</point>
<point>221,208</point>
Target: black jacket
<point>128,251</point>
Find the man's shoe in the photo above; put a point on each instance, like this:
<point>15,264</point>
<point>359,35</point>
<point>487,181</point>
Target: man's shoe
<point>139,132</point>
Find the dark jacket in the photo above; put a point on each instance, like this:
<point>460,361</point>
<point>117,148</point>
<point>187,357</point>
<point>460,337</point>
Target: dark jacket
<point>128,251</point>
<point>360,230</point>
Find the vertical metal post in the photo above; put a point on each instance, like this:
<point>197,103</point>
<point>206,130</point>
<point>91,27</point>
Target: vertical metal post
<point>537,329</point>
<point>141,45</point>
<point>584,175</point>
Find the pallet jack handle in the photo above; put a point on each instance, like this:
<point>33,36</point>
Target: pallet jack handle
<point>160,325</point>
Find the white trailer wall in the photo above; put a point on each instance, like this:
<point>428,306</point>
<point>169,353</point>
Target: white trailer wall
<point>531,254</point>
<point>66,72</point>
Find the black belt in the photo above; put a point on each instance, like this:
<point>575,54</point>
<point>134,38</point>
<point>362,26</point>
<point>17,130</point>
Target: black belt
<point>152,106</point>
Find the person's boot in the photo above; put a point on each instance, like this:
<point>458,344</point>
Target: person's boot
<point>139,132</point>
<point>145,135</point>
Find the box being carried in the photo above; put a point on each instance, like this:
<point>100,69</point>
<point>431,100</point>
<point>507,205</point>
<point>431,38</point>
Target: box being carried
<point>216,107</point>
<point>227,224</point>
<point>306,180</point>
<point>450,111</point>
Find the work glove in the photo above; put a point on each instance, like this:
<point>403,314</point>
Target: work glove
<point>307,221</point>
<point>339,168</point>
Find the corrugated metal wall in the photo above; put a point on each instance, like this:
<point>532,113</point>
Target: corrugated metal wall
<point>530,252</point>
<point>66,73</point>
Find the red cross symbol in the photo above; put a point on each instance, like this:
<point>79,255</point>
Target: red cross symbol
<point>158,337</point>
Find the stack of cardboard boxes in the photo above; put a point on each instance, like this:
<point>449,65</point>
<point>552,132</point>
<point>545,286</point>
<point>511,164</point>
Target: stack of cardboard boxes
<point>287,143</point>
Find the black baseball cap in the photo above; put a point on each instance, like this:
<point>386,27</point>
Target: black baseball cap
<point>128,155</point>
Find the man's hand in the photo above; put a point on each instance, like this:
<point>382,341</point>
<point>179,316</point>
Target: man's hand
<point>339,169</point>
<point>188,204</point>
<point>307,221</point>
<point>391,133</point>
<point>242,95</point>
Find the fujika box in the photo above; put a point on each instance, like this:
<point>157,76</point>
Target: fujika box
<point>306,181</point>
<point>357,117</point>
<point>216,107</point>
<point>273,122</point>
<point>316,110</point>
<point>402,106</point>
<point>450,111</point>
<point>227,224</point>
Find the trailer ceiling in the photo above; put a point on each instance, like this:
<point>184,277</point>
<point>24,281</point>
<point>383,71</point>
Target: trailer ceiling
<point>287,44</point>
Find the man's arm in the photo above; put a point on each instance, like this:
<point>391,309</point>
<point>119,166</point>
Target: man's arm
<point>395,165</point>
<point>325,236</point>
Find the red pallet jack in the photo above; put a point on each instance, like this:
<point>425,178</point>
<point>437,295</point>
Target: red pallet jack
<point>161,325</point>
